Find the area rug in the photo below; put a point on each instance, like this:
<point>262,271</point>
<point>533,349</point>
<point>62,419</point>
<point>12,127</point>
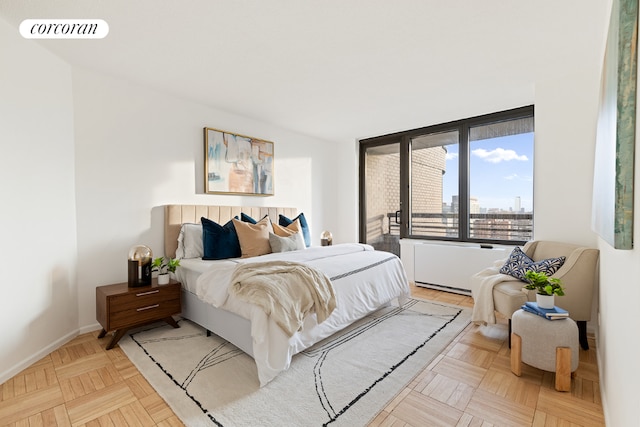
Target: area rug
<point>344,380</point>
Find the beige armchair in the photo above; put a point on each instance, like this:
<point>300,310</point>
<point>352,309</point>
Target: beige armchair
<point>578,274</point>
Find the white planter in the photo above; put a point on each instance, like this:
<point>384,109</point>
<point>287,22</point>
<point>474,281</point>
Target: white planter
<point>545,301</point>
<point>163,279</point>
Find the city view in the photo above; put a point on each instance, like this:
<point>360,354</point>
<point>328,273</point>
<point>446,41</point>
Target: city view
<point>500,184</point>
<point>513,223</point>
<point>475,206</point>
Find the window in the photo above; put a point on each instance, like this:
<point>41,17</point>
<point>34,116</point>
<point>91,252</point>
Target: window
<point>468,180</point>
<point>501,180</point>
<point>434,160</point>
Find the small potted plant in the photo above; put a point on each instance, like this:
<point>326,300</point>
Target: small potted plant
<point>164,267</point>
<point>546,288</point>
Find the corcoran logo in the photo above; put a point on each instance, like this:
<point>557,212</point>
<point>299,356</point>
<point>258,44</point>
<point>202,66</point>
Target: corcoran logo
<point>64,29</point>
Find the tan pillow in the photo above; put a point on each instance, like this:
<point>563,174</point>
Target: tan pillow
<point>287,231</point>
<point>254,238</point>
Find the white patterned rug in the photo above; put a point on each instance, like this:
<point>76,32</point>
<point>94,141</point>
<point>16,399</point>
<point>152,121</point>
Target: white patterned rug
<point>345,380</point>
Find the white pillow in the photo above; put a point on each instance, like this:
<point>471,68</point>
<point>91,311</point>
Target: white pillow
<point>190,241</point>
<point>293,242</point>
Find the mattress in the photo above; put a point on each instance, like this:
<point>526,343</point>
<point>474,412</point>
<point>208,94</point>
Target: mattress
<point>191,268</point>
<point>363,280</point>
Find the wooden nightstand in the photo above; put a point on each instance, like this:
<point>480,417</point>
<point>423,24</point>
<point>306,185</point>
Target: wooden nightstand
<point>120,308</point>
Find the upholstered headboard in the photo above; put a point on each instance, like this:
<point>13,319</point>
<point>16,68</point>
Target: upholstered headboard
<point>176,215</point>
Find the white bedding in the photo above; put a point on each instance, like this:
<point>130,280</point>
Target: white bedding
<point>363,280</point>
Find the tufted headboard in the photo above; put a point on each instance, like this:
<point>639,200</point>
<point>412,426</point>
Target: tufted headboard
<point>176,215</point>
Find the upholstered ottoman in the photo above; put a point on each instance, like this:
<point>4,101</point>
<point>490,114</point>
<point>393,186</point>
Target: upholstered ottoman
<point>550,345</point>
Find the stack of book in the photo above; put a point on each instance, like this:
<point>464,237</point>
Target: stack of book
<point>555,313</point>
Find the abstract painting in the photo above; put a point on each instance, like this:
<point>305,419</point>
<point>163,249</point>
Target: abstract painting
<point>615,140</point>
<point>237,164</point>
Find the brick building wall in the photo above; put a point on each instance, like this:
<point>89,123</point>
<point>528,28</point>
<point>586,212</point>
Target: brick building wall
<point>383,187</point>
<point>382,192</point>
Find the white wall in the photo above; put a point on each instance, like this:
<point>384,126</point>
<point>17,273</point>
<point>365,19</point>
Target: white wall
<point>618,345</point>
<point>619,293</point>
<point>566,112</point>
<point>566,106</point>
<point>37,219</point>
<point>138,149</point>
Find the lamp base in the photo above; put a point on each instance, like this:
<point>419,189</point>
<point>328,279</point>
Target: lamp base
<point>134,268</point>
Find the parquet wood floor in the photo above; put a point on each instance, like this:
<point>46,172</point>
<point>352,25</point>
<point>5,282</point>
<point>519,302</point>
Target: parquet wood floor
<point>469,384</point>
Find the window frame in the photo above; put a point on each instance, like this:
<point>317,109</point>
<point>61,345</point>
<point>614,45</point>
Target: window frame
<point>462,127</point>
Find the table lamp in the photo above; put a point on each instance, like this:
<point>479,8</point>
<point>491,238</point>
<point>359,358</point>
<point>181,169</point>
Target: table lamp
<point>326,238</point>
<point>139,266</point>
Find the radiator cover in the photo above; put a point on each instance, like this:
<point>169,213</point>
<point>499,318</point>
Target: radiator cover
<point>450,267</point>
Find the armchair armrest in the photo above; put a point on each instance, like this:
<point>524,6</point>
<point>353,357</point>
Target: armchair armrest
<point>578,276</point>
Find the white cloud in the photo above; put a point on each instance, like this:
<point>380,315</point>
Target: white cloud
<point>451,156</point>
<point>515,176</point>
<point>498,155</point>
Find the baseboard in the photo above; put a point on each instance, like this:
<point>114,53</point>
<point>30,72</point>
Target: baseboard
<point>603,388</point>
<point>444,288</point>
<point>19,367</point>
<point>90,328</point>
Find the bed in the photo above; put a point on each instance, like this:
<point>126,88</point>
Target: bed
<point>363,280</point>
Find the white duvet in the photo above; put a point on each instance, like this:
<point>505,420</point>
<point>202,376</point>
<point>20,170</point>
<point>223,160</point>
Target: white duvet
<point>363,280</point>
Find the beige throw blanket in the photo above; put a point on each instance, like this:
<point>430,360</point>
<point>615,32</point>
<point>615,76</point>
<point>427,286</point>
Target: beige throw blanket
<point>482,284</point>
<point>287,291</point>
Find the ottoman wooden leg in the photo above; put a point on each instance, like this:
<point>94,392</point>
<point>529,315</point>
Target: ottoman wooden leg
<point>563,368</point>
<point>516,354</point>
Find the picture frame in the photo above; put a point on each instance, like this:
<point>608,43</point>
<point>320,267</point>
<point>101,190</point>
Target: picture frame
<point>237,164</point>
<point>612,213</point>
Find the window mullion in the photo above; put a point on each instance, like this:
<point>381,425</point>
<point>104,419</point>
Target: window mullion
<point>405,173</point>
<point>463,198</point>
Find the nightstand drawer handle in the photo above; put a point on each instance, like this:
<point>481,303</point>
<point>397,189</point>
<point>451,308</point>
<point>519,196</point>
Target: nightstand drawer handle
<point>148,307</point>
<point>147,293</point>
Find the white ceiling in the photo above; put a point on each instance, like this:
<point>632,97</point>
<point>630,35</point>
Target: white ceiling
<point>333,69</point>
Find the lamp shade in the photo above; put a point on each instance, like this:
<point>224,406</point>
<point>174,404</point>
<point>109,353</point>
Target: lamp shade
<point>140,252</point>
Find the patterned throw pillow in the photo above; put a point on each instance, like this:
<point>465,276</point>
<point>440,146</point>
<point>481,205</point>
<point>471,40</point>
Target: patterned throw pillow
<point>519,263</point>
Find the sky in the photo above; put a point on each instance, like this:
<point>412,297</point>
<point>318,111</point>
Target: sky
<point>500,170</point>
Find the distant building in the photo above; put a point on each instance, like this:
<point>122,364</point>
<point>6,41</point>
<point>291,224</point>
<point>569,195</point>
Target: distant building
<point>474,206</point>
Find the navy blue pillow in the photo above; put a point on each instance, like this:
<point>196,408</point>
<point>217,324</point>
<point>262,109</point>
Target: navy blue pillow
<point>284,221</point>
<point>246,218</point>
<point>519,263</point>
<point>219,241</point>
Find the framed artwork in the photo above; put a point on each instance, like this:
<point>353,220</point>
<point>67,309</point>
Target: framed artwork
<point>616,130</point>
<point>237,164</point>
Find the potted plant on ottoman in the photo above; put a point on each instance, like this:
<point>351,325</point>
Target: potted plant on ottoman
<point>164,267</point>
<point>546,288</point>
